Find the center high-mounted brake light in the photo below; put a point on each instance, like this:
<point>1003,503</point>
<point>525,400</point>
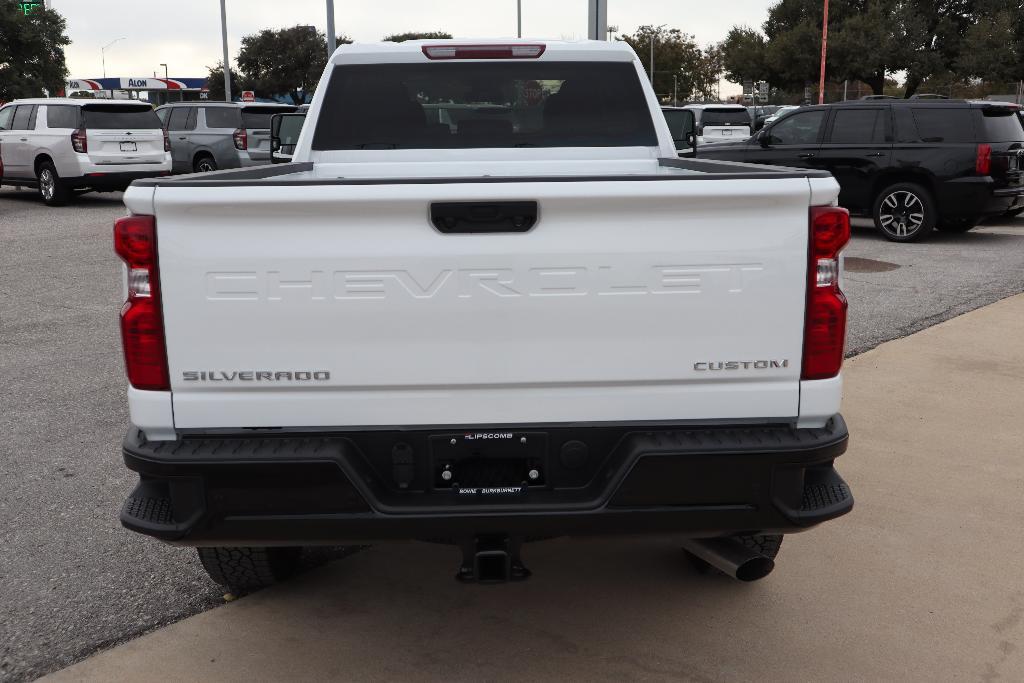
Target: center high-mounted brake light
<point>483,51</point>
<point>79,141</point>
<point>142,326</point>
<point>825,317</point>
<point>241,139</point>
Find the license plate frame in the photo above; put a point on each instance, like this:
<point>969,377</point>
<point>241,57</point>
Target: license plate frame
<point>515,453</point>
<point>128,146</point>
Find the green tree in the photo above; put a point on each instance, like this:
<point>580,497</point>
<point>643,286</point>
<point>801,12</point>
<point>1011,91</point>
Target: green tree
<point>417,35</point>
<point>679,63</point>
<point>287,61</point>
<point>744,55</point>
<point>867,40</point>
<point>994,46</point>
<point>31,52</point>
<point>215,82</point>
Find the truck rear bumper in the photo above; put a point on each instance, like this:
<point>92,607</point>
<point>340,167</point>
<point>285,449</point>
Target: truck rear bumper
<point>373,486</point>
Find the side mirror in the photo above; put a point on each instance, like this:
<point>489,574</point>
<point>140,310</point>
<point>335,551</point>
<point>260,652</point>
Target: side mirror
<point>284,133</point>
<point>763,137</point>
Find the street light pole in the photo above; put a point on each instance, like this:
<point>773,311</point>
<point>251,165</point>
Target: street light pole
<point>103,54</point>
<point>519,18</point>
<point>332,41</point>
<point>167,81</point>
<point>824,44</point>
<point>224,40</point>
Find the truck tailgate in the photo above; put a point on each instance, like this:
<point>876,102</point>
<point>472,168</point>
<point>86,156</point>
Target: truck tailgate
<point>328,305</point>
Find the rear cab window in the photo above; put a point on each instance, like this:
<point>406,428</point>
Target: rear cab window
<point>259,117</point>
<point>61,116</point>
<point>484,105</point>
<point>114,117</point>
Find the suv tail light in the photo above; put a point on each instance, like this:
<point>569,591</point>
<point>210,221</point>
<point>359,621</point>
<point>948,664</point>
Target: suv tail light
<point>825,317</point>
<point>983,161</point>
<point>167,141</point>
<point>79,141</point>
<point>142,325</point>
<point>241,138</point>
<point>483,51</point>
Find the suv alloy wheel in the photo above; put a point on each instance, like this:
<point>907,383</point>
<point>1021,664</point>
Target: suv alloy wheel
<point>51,189</point>
<point>904,212</point>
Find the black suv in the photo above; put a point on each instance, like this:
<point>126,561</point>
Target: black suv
<point>912,165</point>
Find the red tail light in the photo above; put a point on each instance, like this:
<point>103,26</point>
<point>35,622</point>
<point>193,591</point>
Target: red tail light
<point>825,318</point>
<point>983,162</point>
<point>167,141</point>
<point>142,325</point>
<point>241,139</point>
<point>79,141</point>
<point>483,51</point>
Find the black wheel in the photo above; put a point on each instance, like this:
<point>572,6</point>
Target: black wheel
<point>248,569</point>
<point>204,164</point>
<point>52,189</point>
<point>904,212</point>
<point>956,224</point>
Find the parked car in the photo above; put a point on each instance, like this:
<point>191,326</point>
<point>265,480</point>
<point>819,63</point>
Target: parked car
<point>779,113</point>
<point>717,122</point>
<point>682,123</point>
<point>483,337</point>
<point>206,136</point>
<point>63,145</point>
<point>912,165</point>
<point>760,112</point>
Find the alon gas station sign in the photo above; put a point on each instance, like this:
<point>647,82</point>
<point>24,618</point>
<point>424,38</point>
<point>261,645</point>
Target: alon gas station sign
<point>136,83</point>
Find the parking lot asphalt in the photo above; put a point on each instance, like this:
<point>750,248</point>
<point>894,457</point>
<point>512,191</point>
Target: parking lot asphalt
<point>73,581</point>
<point>921,582</point>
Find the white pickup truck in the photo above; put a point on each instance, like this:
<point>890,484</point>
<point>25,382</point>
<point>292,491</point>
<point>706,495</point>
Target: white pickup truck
<point>486,304</point>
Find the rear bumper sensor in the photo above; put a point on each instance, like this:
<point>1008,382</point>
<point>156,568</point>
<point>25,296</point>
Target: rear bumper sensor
<point>358,487</point>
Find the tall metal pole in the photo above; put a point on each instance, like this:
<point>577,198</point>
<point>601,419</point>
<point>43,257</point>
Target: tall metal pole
<point>331,37</point>
<point>597,19</point>
<point>519,18</point>
<point>824,44</point>
<point>224,39</point>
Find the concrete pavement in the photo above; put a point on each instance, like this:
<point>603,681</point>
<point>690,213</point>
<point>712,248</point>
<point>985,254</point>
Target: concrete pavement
<point>923,581</point>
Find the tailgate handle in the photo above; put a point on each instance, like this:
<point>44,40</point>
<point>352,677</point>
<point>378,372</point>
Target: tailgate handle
<point>483,217</point>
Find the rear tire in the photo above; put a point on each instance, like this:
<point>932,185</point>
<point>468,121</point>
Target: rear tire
<point>904,212</point>
<point>204,163</point>
<point>247,569</point>
<point>52,189</point>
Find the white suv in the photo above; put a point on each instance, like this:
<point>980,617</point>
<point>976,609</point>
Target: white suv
<point>61,145</point>
<point>721,122</point>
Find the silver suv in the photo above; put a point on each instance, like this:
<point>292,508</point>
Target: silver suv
<point>206,136</point>
<point>62,145</point>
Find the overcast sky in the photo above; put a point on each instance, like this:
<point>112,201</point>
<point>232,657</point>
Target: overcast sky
<point>186,33</point>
